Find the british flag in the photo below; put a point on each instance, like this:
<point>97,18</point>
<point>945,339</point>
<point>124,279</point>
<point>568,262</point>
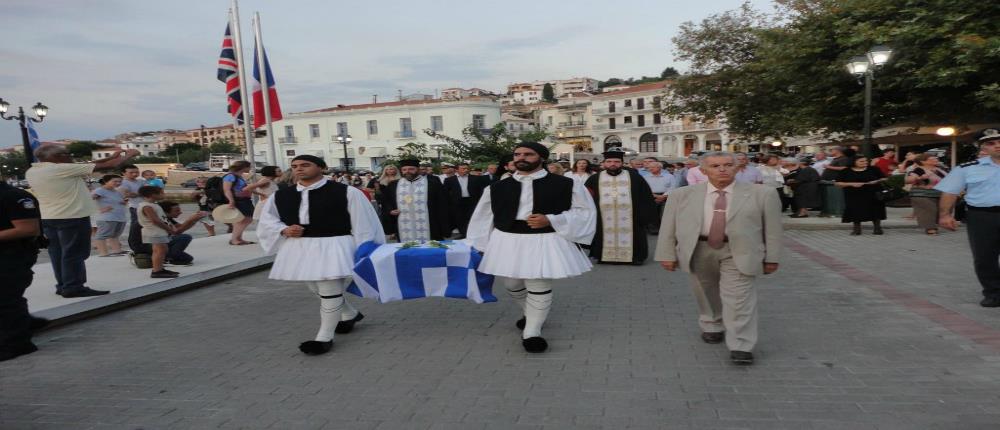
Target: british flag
<point>229,73</point>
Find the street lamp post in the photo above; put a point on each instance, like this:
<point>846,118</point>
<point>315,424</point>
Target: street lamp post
<point>438,148</point>
<point>863,67</point>
<point>345,140</point>
<point>40,110</point>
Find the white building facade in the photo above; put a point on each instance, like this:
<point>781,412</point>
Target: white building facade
<point>631,118</point>
<point>376,129</point>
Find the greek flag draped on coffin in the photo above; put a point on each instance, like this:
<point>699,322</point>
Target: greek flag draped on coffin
<point>391,272</point>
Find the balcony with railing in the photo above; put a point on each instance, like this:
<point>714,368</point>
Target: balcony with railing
<point>573,124</point>
<point>694,126</point>
<point>603,111</point>
<point>288,139</point>
<point>405,134</point>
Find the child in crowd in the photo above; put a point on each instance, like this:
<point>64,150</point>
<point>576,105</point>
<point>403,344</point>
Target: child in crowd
<point>178,240</point>
<point>155,229</point>
<point>204,205</point>
<point>151,179</point>
<point>111,216</point>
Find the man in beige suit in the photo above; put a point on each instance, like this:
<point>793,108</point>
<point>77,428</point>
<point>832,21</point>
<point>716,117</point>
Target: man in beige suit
<point>724,234</point>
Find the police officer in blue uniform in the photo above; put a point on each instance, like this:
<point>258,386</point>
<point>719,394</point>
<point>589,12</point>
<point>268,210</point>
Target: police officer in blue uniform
<point>980,179</point>
<point>19,233</point>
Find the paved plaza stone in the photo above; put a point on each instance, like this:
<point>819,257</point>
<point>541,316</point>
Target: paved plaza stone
<point>861,332</point>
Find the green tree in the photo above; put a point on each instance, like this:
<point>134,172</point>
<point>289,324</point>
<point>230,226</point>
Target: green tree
<point>14,164</point>
<point>478,147</point>
<point>411,150</point>
<point>149,160</point>
<point>222,146</point>
<point>548,93</point>
<point>82,148</point>
<point>669,72</point>
<point>784,74</point>
<point>179,148</point>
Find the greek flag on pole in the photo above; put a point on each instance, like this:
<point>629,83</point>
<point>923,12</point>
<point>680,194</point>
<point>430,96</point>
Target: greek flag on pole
<point>32,137</point>
<point>390,273</point>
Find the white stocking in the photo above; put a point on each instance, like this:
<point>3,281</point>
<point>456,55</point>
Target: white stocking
<point>515,287</point>
<point>537,306</point>
<point>349,311</point>
<point>331,298</point>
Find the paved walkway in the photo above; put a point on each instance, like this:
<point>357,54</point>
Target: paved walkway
<point>215,259</point>
<point>856,333</point>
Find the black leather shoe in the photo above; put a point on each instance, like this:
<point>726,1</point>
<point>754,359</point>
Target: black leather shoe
<point>346,326</point>
<point>38,323</point>
<point>742,358</point>
<point>315,347</point>
<point>83,292</point>
<point>15,351</point>
<point>713,337</point>
<point>535,344</point>
<point>520,323</point>
<point>990,302</point>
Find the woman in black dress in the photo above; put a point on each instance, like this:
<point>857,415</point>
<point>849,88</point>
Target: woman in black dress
<point>861,184</point>
<point>804,181</point>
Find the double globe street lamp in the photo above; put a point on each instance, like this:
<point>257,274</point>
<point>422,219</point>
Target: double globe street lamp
<point>21,118</point>
<point>863,67</point>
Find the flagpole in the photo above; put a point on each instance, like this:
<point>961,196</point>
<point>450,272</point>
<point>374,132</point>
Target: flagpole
<point>264,86</point>
<point>234,17</point>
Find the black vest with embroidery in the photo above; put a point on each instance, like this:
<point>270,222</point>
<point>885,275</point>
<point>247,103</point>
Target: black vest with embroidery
<point>552,194</point>
<point>328,215</point>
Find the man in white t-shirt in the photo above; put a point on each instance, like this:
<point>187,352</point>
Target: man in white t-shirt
<point>65,204</point>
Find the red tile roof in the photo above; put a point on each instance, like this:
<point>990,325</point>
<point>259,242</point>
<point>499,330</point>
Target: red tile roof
<point>636,89</point>
<point>389,104</point>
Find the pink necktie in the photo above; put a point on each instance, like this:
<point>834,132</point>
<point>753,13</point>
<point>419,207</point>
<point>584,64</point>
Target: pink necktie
<point>717,231</point>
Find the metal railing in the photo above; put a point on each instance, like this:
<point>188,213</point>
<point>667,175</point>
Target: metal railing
<point>288,139</point>
<point>573,124</point>
<point>406,134</point>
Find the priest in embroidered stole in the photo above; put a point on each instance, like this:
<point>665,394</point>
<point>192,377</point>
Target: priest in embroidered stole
<point>625,207</point>
<point>415,206</point>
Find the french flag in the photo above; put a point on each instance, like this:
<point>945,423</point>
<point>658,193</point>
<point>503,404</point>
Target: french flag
<point>258,93</point>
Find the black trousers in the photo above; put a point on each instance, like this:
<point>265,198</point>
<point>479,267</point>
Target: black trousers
<point>984,238</point>
<point>654,226</point>
<point>463,213</point>
<point>15,277</point>
<point>135,232</point>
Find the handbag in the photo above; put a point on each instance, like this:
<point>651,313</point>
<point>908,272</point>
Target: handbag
<point>889,193</point>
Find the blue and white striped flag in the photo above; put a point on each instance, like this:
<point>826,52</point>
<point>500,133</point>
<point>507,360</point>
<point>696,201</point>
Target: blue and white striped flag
<point>32,137</point>
<point>389,273</point>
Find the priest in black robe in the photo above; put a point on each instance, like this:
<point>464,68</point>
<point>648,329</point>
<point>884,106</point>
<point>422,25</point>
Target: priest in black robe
<point>625,208</point>
<point>415,206</point>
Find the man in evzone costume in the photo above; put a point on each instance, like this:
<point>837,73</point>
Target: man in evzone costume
<point>415,206</point>
<point>528,227</point>
<point>625,205</point>
<point>314,228</point>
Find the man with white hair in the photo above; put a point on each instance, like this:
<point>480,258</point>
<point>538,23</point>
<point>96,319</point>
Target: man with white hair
<point>724,233</point>
<point>65,204</point>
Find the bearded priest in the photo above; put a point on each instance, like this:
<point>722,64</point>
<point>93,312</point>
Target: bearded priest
<point>625,208</point>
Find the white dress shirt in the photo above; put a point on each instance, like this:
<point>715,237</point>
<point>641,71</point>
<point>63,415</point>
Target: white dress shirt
<point>710,197</point>
<point>304,206</point>
<point>463,183</point>
<point>526,204</point>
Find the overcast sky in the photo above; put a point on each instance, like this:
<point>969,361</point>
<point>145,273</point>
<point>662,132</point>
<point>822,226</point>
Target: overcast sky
<point>109,66</point>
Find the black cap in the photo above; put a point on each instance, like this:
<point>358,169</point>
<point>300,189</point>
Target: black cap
<point>312,159</point>
<point>409,162</point>
<point>542,151</point>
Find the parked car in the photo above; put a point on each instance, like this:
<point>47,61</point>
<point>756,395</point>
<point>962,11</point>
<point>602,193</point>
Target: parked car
<point>198,167</point>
